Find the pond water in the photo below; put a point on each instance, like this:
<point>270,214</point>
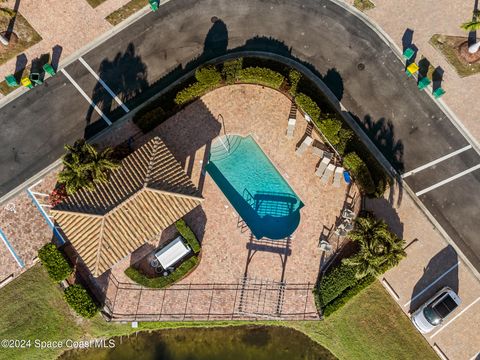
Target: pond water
<point>232,343</point>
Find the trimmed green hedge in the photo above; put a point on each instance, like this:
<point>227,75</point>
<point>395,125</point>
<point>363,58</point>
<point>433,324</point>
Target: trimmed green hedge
<point>208,78</point>
<point>188,235</point>
<point>231,69</point>
<point>360,172</point>
<point>261,76</point>
<point>163,281</point>
<point>348,294</point>
<point>332,128</point>
<point>334,283</point>
<point>294,77</point>
<point>308,105</point>
<point>57,266</point>
<point>80,300</point>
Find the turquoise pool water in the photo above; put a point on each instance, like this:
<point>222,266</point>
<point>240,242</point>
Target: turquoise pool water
<point>254,187</point>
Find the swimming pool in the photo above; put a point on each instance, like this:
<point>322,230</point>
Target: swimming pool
<point>254,187</point>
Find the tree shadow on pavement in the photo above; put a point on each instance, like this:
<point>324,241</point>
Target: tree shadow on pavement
<point>441,269</point>
<point>126,76</point>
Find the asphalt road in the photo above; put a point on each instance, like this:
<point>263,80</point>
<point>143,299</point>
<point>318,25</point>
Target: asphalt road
<point>405,123</point>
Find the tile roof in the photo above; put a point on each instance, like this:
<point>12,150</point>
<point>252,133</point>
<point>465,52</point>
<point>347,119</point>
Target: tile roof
<point>149,192</point>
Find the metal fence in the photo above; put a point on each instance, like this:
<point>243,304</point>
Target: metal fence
<point>247,299</point>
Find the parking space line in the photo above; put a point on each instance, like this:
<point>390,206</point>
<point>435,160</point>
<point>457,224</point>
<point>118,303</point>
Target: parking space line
<point>433,283</point>
<point>431,163</point>
<point>11,249</point>
<point>475,356</point>
<point>80,90</point>
<point>456,316</point>
<point>112,94</point>
<point>443,182</point>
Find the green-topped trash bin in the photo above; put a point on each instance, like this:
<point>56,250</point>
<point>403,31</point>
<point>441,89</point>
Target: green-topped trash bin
<point>48,69</point>
<point>154,4</point>
<point>408,53</point>
<point>423,83</point>
<point>36,78</point>
<point>11,81</point>
<point>438,93</point>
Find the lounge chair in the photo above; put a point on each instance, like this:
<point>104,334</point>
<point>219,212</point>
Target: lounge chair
<point>328,173</point>
<point>338,176</point>
<point>323,164</point>
<point>304,145</point>
<point>291,127</point>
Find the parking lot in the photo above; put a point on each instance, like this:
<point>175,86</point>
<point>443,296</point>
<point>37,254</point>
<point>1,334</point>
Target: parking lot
<point>430,265</point>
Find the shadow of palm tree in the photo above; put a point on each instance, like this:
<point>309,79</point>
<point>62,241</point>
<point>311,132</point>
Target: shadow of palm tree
<point>126,76</point>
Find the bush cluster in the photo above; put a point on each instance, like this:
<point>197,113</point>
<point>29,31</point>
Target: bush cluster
<point>231,69</point>
<point>262,76</point>
<point>294,77</point>
<point>163,281</point>
<point>57,266</point>
<point>348,294</point>
<point>332,128</point>
<point>308,106</point>
<point>80,301</point>
<point>208,79</point>
<point>334,283</point>
<point>359,170</point>
<point>188,235</point>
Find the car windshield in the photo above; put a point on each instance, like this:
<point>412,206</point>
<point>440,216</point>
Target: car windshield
<point>432,316</point>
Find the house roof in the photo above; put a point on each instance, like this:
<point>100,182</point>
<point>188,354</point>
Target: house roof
<point>145,195</point>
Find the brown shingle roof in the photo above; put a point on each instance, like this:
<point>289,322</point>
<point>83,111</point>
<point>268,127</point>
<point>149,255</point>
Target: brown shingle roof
<point>145,195</point>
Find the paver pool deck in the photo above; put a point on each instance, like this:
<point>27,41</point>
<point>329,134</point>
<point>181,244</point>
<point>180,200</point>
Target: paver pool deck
<point>262,112</point>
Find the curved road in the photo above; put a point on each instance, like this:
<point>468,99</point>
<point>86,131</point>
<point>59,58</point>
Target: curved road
<point>406,124</point>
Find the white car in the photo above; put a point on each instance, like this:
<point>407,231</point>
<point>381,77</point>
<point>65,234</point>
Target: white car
<point>434,311</point>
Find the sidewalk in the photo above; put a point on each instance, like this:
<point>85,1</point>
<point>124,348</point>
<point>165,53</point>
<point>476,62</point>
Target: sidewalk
<point>69,24</point>
<point>427,18</point>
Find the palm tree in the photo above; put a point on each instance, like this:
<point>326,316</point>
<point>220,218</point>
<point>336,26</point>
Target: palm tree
<point>472,26</point>
<point>380,249</point>
<point>83,166</point>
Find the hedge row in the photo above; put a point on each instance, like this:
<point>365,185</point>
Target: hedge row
<point>294,77</point>
<point>231,69</point>
<point>53,260</point>
<point>163,281</point>
<point>261,76</point>
<point>80,301</point>
<point>308,106</point>
<point>348,294</point>
<point>360,172</point>
<point>208,78</point>
<point>334,283</point>
<point>188,235</point>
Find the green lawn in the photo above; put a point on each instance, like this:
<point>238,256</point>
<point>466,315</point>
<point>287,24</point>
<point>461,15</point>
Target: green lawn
<point>371,326</point>
<point>125,11</point>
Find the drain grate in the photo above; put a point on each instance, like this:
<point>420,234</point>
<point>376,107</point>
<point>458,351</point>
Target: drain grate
<point>214,19</point>
<point>361,66</point>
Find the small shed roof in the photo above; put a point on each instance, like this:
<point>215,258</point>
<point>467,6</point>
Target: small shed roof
<point>172,253</point>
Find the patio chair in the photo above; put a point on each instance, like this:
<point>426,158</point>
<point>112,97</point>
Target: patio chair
<point>348,214</point>
<point>323,164</point>
<point>291,127</point>
<point>408,53</point>
<point>304,145</point>
<point>338,176</point>
<point>327,174</point>
<point>325,246</point>
<point>340,230</point>
<point>423,83</point>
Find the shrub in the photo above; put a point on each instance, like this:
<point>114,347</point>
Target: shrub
<point>294,77</point>
<point>208,75</point>
<point>80,300</point>
<point>262,76</point>
<point>57,266</point>
<point>348,294</point>
<point>150,119</point>
<point>360,172</point>
<point>308,105</point>
<point>231,69</point>
<point>188,235</point>
<point>163,281</point>
<point>191,93</point>
<point>335,282</point>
